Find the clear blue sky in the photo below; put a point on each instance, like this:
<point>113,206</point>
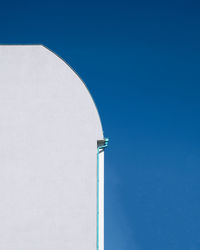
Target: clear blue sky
<point>141,62</point>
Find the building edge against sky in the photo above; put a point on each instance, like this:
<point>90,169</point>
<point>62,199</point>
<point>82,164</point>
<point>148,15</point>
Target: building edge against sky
<point>35,75</point>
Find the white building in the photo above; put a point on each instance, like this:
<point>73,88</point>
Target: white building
<point>49,128</point>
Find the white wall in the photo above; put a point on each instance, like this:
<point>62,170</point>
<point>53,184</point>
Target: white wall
<point>49,127</point>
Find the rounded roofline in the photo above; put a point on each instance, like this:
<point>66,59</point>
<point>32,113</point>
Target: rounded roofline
<point>58,56</point>
<point>80,79</point>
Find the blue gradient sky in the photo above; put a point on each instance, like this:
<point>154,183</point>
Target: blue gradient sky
<point>141,62</point>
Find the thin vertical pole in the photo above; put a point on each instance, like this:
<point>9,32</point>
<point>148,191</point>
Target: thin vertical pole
<point>98,152</point>
<point>98,198</point>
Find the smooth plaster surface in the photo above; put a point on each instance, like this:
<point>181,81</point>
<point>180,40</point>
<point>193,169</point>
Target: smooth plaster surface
<point>49,127</point>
